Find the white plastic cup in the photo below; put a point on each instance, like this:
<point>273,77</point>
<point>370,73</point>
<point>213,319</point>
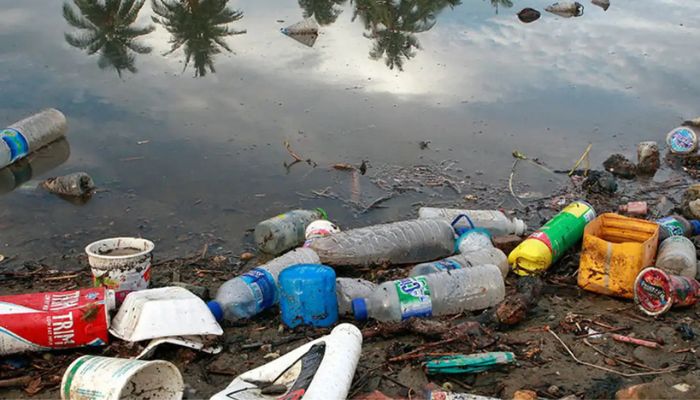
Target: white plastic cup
<point>122,264</point>
<point>106,378</point>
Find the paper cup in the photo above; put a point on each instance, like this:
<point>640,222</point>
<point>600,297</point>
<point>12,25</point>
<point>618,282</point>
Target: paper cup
<point>121,264</point>
<point>105,378</point>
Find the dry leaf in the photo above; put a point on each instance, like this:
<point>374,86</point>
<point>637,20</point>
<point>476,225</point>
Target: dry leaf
<point>35,386</point>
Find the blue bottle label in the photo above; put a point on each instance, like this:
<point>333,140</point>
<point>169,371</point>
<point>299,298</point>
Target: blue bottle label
<point>672,226</point>
<point>446,265</point>
<point>414,297</point>
<point>263,286</point>
<point>17,143</point>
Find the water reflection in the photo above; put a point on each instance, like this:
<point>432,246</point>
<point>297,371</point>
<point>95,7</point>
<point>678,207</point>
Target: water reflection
<point>392,26</point>
<point>501,3</point>
<point>325,12</point>
<point>34,165</point>
<point>199,27</point>
<point>107,28</point>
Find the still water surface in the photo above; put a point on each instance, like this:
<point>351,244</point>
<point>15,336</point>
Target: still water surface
<point>180,109</point>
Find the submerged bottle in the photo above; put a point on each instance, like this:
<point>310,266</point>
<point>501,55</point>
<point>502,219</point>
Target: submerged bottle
<point>403,242</point>
<point>544,247</point>
<point>677,256</point>
<point>495,221</point>
<point>675,225</point>
<point>442,293</point>
<point>31,134</point>
<point>285,231</point>
<point>256,290</point>
<point>347,289</point>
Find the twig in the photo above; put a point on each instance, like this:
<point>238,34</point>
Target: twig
<point>410,354</point>
<point>60,278</point>
<point>635,341</point>
<point>584,155</point>
<point>291,152</point>
<point>510,182</point>
<point>14,382</point>
<point>620,359</point>
<point>131,159</point>
<point>387,377</point>
<point>376,202</point>
<point>664,371</point>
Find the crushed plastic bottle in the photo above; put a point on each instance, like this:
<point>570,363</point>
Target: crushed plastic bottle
<point>497,223</point>
<point>442,293</point>
<point>347,289</point>
<point>256,290</point>
<point>675,225</point>
<point>403,242</point>
<point>544,247</point>
<point>31,134</point>
<point>285,231</point>
<point>677,256</point>
<point>78,184</point>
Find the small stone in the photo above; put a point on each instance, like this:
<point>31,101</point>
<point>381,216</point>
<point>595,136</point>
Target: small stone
<point>554,391</point>
<point>247,256</point>
<point>690,202</point>
<point>199,291</point>
<point>271,356</point>
<point>266,348</point>
<point>47,356</point>
<point>620,166</point>
<point>648,160</point>
<point>507,243</point>
<point>525,395</point>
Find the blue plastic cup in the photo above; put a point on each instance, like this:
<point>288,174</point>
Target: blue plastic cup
<point>307,296</point>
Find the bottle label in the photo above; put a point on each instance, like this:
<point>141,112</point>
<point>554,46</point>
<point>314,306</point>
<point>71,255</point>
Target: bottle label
<point>682,140</point>
<point>446,265</point>
<point>263,286</point>
<point>414,297</point>
<point>672,226</point>
<point>16,142</point>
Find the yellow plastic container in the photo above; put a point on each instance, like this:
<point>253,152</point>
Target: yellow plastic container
<point>615,250</point>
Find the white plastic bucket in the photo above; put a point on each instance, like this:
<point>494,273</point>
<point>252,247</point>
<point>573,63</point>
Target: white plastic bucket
<point>122,264</point>
<point>105,378</point>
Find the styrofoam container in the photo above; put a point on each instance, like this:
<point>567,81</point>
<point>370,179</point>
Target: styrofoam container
<point>122,264</point>
<point>163,312</point>
<point>322,369</point>
<point>105,378</point>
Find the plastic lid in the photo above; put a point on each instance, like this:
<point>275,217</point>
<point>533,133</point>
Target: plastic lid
<point>520,226</point>
<point>478,231</point>
<point>652,291</point>
<point>359,308</point>
<point>696,226</point>
<point>216,310</point>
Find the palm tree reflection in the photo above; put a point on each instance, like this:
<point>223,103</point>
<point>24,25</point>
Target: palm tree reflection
<point>106,28</point>
<point>392,24</point>
<point>199,26</point>
<point>325,12</point>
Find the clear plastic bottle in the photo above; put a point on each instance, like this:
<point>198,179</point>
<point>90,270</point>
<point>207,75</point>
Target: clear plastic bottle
<point>677,256</point>
<point>675,225</point>
<point>347,289</point>
<point>257,289</point>
<point>285,231</point>
<point>31,134</point>
<point>495,221</point>
<point>442,293</point>
<point>403,242</point>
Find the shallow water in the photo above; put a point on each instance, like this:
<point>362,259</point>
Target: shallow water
<point>193,152</point>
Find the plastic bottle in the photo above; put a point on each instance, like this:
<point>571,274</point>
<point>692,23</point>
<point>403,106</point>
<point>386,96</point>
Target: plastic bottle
<point>347,289</point>
<point>256,290</point>
<point>636,208</point>
<point>544,247</point>
<point>442,293</point>
<point>285,231</point>
<point>675,225</point>
<point>402,242</point>
<point>495,221</point>
<point>677,256</point>
<point>31,134</point>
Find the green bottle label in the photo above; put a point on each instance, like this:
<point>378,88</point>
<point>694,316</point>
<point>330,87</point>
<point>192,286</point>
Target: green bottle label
<point>414,297</point>
<point>565,229</point>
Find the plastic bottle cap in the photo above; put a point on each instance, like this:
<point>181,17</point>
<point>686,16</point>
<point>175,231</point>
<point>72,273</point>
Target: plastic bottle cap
<point>359,308</point>
<point>696,226</point>
<point>216,310</point>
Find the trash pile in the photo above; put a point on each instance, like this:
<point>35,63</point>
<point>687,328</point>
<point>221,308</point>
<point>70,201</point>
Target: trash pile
<point>459,279</point>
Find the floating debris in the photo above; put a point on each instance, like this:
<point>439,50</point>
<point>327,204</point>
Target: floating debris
<point>528,15</point>
<point>304,32</point>
<point>604,4</point>
<point>566,9</point>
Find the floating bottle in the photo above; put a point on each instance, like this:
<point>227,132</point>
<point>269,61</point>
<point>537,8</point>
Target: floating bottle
<point>285,231</point>
<point>31,134</point>
<point>547,245</point>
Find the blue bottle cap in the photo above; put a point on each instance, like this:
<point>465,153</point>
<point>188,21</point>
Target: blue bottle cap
<point>696,226</point>
<point>216,310</point>
<point>359,308</point>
